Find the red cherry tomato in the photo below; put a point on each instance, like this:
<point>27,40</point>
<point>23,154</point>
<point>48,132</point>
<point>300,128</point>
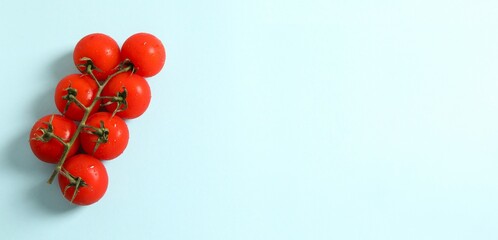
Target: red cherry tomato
<point>93,179</point>
<point>145,52</point>
<point>132,92</point>
<point>83,87</point>
<point>105,137</point>
<point>103,52</point>
<point>47,148</point>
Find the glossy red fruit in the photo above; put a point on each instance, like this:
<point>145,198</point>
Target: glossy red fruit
<point>146,53</point>
<point>128,93</point>
<point>83,87</point>
<point>105,136</point>
<point>49,149</point>
<point>102,50</point>
<point>93,179</point>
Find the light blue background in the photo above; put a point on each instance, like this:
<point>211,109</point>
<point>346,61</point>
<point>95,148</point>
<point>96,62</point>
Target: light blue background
<point>271,120</point>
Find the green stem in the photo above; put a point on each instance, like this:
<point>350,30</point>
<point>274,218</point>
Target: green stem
<point>82,123</point>
<point>77,102</point>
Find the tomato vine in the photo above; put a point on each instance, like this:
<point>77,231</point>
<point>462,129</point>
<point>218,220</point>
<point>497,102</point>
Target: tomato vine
<point>67,145</point>
<point>111,87</point>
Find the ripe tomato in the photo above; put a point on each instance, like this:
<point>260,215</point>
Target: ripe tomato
<point>103,52</point>
<point>46,147</point>
<point>133,93</point>
<point>145,52</point>
<point>93,179</point>
<point>105,137</point>
<point>83,87</point>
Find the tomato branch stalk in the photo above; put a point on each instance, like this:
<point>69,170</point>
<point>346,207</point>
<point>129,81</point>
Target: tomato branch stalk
<point>87,110</point>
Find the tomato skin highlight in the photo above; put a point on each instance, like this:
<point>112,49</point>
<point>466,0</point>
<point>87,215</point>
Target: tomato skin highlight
<point>138,95</point>
<point>86,89</point>
<point>102,50</point>
<point>92,172</point>
<point>52,151</point>
<point>117,138</point>
<point>146,52</point>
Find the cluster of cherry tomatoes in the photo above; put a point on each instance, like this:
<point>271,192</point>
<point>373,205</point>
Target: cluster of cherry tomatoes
<point>93,107</point>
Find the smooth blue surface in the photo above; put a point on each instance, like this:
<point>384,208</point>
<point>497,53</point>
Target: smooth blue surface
<point>271,120</point>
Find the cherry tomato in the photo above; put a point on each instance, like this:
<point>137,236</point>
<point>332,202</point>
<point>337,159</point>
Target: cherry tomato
<point>105,136</point>
<point>83,88</point>
<point>43,143</point>
<point>145,52</point>
<point>102,50</point>
<point>91,179</point>
<point>129,93</point>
